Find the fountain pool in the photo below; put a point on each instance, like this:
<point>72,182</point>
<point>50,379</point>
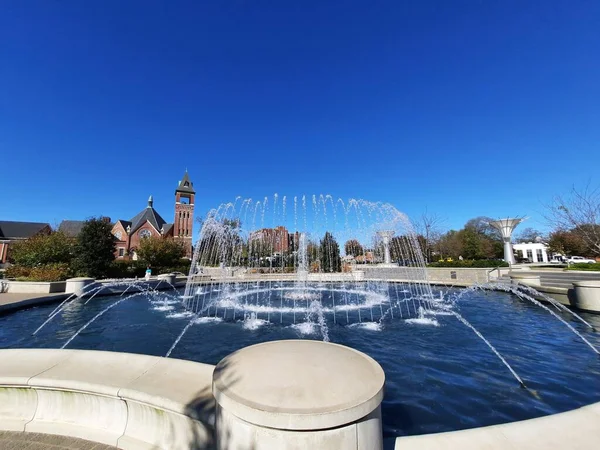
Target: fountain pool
<point>440,375</point>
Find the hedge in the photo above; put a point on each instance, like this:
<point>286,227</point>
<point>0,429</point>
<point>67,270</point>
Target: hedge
<point>585,266</point>
<point>48,272</point>
<point>474,263</point>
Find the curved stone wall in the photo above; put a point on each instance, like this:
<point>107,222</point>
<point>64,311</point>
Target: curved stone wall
<point>140,402</point>
<point>120,399</point>
<point>579,428</point>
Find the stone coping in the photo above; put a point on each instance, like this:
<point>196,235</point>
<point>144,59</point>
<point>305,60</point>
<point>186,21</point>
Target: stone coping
<point>120,399</point>
<point>587,283</point>
<point>579,428</point>
<point>288,385</point>
<point>165,382</point>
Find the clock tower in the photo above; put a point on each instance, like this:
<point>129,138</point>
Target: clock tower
<point>184,214</point>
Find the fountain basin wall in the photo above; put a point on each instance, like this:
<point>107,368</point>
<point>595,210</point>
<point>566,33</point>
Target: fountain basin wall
<point>35,287</point>
<point>573,429</point>
<point>443,275</point>
<point>457,276</point>
<point>126,400</point>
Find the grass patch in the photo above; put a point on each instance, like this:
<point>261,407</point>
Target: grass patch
<point>585,266</point>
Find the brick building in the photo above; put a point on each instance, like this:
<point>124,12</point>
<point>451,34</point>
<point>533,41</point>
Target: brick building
<point>278,239</point>
<point>11,232</point>
<point>149,223</point>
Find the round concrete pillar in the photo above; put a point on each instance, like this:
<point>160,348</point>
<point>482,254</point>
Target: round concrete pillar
<point>77,285</point>
<point>525,278</point>
<point>587,295</point>
<point>296,394</point>
<point>168,277</point>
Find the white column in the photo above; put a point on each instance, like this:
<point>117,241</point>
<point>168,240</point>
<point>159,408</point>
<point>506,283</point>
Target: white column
<point>298,394</point>
<point>506,227</point>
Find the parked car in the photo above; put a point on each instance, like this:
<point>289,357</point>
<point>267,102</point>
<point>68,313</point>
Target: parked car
<point>558,259</point>
<point>580,259</point>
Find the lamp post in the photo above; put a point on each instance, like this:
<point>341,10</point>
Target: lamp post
<point>506,227</point>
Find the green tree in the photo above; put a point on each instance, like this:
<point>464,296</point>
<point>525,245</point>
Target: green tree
<point>450,245</point>
<point>353,248</point>
<point>567,243</point>
<point>160,252</point>
<point>40,250</point>
<point>329,252</point>
<point>95,248</point>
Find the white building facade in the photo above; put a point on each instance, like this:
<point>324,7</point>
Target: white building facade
<point>536,252</point>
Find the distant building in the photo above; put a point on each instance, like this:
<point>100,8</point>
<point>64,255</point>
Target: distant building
<point>277,239</point>
<point>71,228</point>
<point>149,223</point>
<point>11,232</point>
<point>534,251</point>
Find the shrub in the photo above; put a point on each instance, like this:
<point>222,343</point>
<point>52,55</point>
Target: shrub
<point>585,266</point>
<point>472,263</point>
<point>46,272</point>
<point>50,272</point>
<point>44,249</point>
<point>126,269</point>
<point>17,271</point>
<point>160,252</point>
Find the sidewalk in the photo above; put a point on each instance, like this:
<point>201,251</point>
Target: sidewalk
<point>11,302</point>
<point>16,440</point>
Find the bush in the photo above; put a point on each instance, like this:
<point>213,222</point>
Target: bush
<point>17,271</point>
<point>133,269</point>
<point>47,272</point>
<point>472,263</point>
<point>126,269</point>
<point>160,252</point>
<point>54,248</point>
<point>585,266</point>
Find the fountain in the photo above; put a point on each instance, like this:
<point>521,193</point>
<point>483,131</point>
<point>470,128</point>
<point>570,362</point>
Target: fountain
<point>319,268</point>
<point>289,263</point>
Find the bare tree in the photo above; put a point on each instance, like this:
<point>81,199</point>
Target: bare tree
<point>429,226</point>
<point>579,213</point>
<point>530,235</point>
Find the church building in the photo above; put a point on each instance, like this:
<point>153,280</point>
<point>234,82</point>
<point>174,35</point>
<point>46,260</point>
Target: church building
<point>149,223</point>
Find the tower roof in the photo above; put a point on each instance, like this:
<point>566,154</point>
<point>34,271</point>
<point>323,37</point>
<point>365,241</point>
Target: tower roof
<point>147,214</point>
<point>185,185</point>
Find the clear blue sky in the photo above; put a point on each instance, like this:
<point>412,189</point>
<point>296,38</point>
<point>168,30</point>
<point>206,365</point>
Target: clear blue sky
<point>423,104</point>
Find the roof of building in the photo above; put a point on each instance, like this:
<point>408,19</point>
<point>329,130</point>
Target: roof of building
<point>168,227</point>
<point>125,223</point>
<point>148,214</point>
<point>71,228</point>
<point>185,185</point>
<point>20,230</point>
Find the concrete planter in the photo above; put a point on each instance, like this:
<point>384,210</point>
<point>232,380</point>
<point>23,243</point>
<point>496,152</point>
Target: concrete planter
<point>35,287</point>
<point>77,285</point>
<point>525,278</point>
<point>286,395</point>
<point>587,295</point>
<point>168,278</point>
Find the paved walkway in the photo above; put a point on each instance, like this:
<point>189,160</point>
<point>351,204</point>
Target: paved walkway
<point>9,302</point>
<point>16,440</point>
